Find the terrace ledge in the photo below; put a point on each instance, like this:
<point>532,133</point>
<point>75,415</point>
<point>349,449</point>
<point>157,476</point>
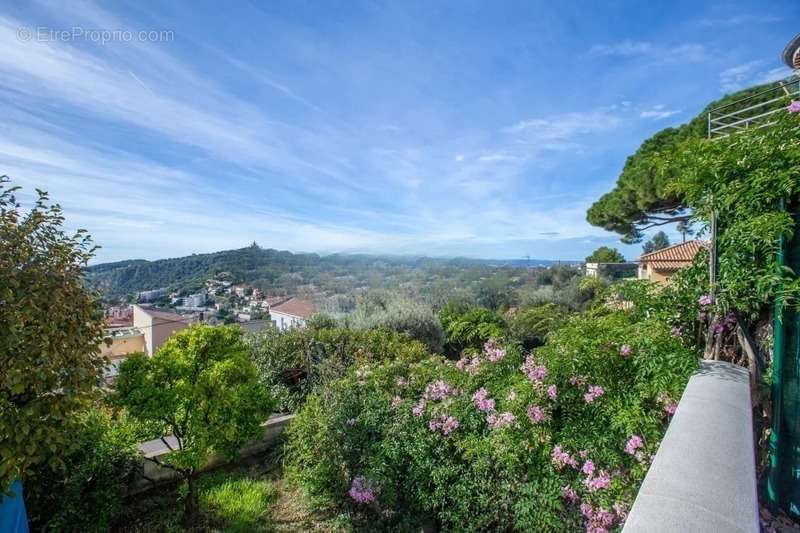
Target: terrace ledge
<point>703,477</point>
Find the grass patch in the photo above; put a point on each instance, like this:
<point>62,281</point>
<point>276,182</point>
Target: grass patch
<point>240,503</point>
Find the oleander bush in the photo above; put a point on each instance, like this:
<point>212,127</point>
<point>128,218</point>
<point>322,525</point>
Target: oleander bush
<point>294,362</point>
<point>552,440</point>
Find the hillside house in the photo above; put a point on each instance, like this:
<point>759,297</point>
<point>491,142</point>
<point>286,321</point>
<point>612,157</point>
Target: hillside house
<point>157,326</point>
<point>661,265</point>
<point>291,313</point>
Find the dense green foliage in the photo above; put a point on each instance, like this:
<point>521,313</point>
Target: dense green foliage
<point>529,327</point>
<point>88,495</point>
<point>294,362</point>
<point>390,312</point>
<point>50,332</point>
<point>480,444</point>
<point>470,327</point>
<point>203,388</point>
<point>643,196</point>
<point>605,254</point>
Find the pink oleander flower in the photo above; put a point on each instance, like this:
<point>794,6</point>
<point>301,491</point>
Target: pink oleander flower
<point>418,409</point>
<point>482,401</point>
<point>351,421</point>
<point>438,390</point>
<point>562,458</point>
<point>445,424</point>
<point>569,494</point>
<point>493,352</point>
<point>535,373</point>
<point>583,454</point>
<point>462,363</point>
<point>794,107</point>
<point>676,331</point>
<point>498,421</point>
<point>625,350</point>
<point>362,490</point>
<point>633,444</point>
<point>600,482</point>
<point>536,414</point>
<point>706,299</point>
<point>588,468</point>
<point>594,392</point>
<point>670,408</point>
<point>552,392</point>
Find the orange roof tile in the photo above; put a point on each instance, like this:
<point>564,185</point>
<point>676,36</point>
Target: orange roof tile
<point>673,257</point>
<point>295,307</point>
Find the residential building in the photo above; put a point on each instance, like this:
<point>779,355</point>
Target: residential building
<point>118,344</point>
<point>611,271</point>
<point>195,300</point>
<point>157,326</point>
<point>661,265</point>
<point>149,296</point>
<point>291,313</point>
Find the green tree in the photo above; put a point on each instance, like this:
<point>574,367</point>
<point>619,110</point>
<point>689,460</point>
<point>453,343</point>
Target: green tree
<point>658,242</point>
<point>685,228</point>
<point>203,388</point>
<point>644,196</point>
<point>470,327</point>
<point>605,254</point>
<point>50,332</point>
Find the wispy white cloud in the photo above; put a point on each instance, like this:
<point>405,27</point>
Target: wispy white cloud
<point>659,53</point>
<point>751,73</point>
<point>658,112</point>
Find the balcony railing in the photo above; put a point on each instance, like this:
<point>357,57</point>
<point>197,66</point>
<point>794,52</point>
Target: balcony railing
<point>754,111</point>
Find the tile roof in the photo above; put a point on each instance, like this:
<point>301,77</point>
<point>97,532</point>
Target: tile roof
<point>673,257</point>
<point>166,315</point>
<point>295,307</point>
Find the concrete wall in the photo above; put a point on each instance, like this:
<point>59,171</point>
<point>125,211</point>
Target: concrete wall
<point>151,474</point>
<point>283,321</point>
<point>703,478</point>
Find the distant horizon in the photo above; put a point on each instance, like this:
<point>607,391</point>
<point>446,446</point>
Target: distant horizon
<point>446,129</point>
<point>94,263</point>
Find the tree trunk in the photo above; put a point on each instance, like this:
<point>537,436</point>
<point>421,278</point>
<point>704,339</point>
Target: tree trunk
<point>191,509</point>
<point>709,351</point>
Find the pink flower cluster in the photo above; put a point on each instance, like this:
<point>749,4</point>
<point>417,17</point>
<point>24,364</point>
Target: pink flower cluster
<point>438,390</point>
<point>625,350</point>
<point>598,520</point>
<point>552,392</point>
<point>492,351</point>
<point>362,490</point>
<point>593,392</point>
<point>535,373</point>
<point>445,424</point>
<point>569,494</point>
<point>537,414</point>
<point>562,458</point>
<point>471,365</point>
<point>676,331</point>
<point>794,107</point>
<point>577,380</point>
<point>482,401</point>
<point>497,421</point>
<point>706,299</point>
<point>419,408</point>
<point>670,408</point>
<point>598,482</point>
<point>633,444</point>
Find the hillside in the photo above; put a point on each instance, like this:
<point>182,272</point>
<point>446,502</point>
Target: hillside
<point>285,272</point>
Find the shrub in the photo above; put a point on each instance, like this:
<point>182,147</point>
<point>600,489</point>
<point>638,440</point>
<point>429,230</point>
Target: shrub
<point>470,327</point>
<point>292,363</point>
<point>394,313</point>
<point>88,493</point>
<point>529,327</point>
<point>499,440</point>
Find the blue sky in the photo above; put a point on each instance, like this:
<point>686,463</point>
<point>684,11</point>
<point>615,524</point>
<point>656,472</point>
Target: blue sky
<point>480,129</point>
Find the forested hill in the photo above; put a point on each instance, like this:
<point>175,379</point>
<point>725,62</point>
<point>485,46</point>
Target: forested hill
<point>276,269</point>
